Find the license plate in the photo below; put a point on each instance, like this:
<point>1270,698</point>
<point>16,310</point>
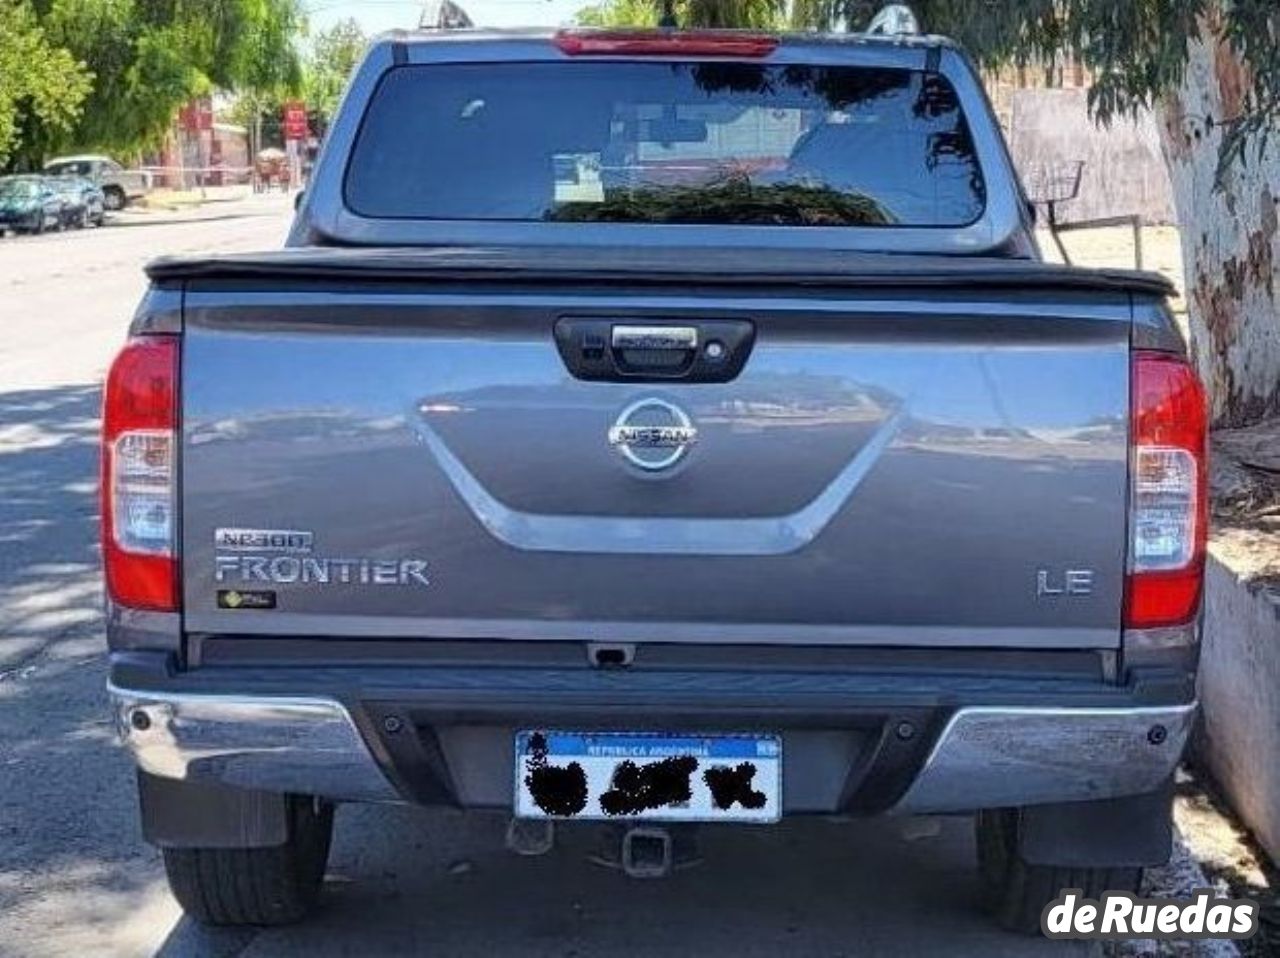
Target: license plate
<point>682,778</point>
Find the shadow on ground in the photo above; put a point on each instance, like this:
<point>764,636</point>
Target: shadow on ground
<point>406,881</point>
<point>71,862</point>
<point>49,586</point>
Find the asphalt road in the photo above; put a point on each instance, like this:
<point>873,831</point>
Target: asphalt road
<point>75,878</point>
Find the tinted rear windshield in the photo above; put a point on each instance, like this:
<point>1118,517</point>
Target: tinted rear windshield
<point>683,143</point>
<point>78,167</point>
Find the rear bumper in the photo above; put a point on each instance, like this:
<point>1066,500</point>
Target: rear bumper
<point>268,743</point>
<point>899,750</point>
<point>1001,757</point>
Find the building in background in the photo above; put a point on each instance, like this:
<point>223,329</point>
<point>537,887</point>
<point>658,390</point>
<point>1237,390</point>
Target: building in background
<point>199,151</point>
<point>229,154</point>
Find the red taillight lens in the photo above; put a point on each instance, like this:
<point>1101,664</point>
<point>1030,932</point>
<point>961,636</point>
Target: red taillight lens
<point>139,475</point>
<point>709,43</point>
<point>1168,512</point>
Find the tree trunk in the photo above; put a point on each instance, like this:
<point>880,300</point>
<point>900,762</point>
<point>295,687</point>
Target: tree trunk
<point>1230,235</point>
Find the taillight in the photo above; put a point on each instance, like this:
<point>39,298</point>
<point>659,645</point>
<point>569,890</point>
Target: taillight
<point>710,43</point>
<point>139,475</point>
<point>1168,511</point>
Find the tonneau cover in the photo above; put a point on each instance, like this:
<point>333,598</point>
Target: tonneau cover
<point>738,267</point>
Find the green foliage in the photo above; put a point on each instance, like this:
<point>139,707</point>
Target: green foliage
<point>1137,49</point>
<point>763,14</point>
<point>334,55</point>
<point>148,57</point>
<point>266,60</point>
<point>733,200</point>
<point>620,13</point>
<point>37,79</point>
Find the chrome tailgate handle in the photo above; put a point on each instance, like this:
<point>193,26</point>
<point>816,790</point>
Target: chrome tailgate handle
<point>678,338</point>
<point>599,349</point>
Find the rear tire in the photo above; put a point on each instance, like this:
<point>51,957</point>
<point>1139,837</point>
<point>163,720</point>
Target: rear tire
<point>113,198</point>
<point>256,886</point>
<point>1016,893</point>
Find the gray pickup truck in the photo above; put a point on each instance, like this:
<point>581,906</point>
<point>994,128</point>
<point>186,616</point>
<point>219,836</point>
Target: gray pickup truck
<point>652,429</point>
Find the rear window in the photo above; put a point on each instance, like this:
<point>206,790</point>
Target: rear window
<point>17,189</point>
<point>73,167</point>
<point>682,143</point>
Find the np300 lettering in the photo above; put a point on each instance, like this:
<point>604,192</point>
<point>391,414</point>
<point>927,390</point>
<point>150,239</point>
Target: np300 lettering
<point>263,540</point>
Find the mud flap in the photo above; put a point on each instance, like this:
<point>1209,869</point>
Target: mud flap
<point>1115,833</point>
<point>177,814</point>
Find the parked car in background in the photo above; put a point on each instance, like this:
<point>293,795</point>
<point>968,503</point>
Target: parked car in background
<point>119,186</point>
<point>28,204</point>
<point>83,201</point>
<point>72,210</point>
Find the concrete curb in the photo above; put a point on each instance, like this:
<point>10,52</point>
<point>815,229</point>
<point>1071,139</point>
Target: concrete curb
<point>1239,682</point>
<point>171,219</point>
<point>1178,879</point>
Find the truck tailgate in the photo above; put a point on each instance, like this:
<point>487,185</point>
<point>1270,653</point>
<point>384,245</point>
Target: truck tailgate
<point>905,461</point>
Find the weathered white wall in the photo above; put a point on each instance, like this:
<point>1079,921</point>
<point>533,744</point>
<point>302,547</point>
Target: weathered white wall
<point>1240,695</point>
<point>1124,170</point>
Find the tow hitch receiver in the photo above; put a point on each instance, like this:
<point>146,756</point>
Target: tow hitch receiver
<point>646,852</point>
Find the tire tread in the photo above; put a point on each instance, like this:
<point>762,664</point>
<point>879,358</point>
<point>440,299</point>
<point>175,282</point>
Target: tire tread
<point>1017,893</point>
<point>255,886</point>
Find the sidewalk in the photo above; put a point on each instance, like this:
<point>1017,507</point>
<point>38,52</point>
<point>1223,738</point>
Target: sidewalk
<point>169,198</point>
<point>219,202</point>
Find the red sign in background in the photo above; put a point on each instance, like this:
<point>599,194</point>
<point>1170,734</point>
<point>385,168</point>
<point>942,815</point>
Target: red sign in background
<point>295,121</point>
<point>197,115</point>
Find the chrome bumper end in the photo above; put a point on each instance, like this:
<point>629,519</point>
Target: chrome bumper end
<point>305,745</point>
<point>1006,757</point>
